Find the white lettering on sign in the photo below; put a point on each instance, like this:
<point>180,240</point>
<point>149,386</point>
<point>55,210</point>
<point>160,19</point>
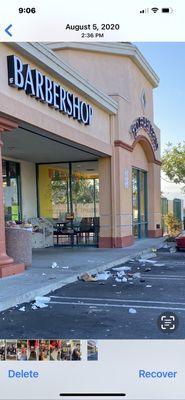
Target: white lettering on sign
<point>44,89</point>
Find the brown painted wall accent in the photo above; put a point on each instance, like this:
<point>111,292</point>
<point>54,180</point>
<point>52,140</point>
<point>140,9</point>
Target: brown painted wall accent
<point>140,139</point>
<point>105,242</point>
<point>155,233</point>
<point>116,242</point>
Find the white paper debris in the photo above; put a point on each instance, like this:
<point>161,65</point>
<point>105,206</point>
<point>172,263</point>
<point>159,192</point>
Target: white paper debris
<point>118,280</point>
<point>42,299</point>
<point>39,304</point>
<point>22,308</point>
<point>172,250</point>
<point>54,265</point>
<point>120,274</point>
<point>103,276</point>
<point>119,269</point>
<point>34,307</point>
<point>148,286</point>
<point>124,279</point>
<point>132,311</point>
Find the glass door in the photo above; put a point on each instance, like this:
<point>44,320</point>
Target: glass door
<point>139,203</point>
<point>12,191</point>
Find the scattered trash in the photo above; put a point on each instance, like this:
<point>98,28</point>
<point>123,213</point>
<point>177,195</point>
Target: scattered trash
<point>22,308</point>
<point>87,278</point>
<point>165,246</point>
<point>114,285</point>
<point>118,280</point>
<point>119,269</point>
<point>34,307</point>
<point>120,274</point>
<point>103,276</point>
<point>42,299</point>
<point>67,267</point>
<point>172,250</point>
<point>147,269</point>
<point>54,265</point>
<point>132,311</point>
<point>124,279</point>
<point>43,274</point>
<point>148,286</point>
<point>131,283</point>
<point>38,304</point>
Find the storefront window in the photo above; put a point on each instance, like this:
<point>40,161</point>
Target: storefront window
<point>139,202</point>
<point>85,190</point>
<point>12,190</point>
<point>68,187</point>
<point>53,182</point>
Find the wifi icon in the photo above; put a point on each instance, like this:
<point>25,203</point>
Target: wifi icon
<point>155,9</point>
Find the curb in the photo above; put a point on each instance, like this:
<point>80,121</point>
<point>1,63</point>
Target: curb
<point>30,295</point>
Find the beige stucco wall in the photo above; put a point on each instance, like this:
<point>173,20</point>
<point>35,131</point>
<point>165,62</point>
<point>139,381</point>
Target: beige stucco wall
<point>119,77</point>
<point>28,184</point>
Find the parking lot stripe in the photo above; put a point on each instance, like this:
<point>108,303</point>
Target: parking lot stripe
<point>116,305</point>
<point>116,300</point>
<point>163,277</point>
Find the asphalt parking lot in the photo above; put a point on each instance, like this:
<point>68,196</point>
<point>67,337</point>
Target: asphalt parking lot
<point>109,309</point>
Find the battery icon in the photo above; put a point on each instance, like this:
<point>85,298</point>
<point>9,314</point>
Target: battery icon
<point>167,10</point>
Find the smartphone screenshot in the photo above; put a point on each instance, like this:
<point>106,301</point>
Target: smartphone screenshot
<point>92,191</point>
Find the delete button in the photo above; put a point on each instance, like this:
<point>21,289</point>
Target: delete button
<point>22,374</point>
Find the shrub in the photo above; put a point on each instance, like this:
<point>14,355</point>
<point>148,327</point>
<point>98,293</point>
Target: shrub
<point>173,224</point>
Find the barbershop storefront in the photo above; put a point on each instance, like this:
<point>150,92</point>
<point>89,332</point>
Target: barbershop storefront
<point>79,146</point>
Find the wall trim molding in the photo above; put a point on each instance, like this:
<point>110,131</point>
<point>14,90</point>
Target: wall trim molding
<point>146,144</point>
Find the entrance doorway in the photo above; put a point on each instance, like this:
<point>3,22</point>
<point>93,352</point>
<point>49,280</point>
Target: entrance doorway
<point>12,190</point>
<point>69,195</point>
<point>139,203</point>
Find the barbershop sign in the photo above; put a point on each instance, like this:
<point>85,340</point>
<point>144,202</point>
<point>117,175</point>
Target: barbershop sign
<point>35,84</point>
<point>144,123</point>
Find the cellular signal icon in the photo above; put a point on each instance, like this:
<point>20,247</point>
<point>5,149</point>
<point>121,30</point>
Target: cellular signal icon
<point>155,9</point>
<point>145,11</point>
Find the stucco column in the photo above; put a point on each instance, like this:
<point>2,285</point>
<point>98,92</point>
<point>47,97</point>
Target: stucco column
<point>7,265</point>
<point>105,237</point>
<point>154,201</point>
<point>122,184</point>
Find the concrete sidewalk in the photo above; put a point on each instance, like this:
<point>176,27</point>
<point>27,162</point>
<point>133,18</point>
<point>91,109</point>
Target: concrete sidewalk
<point>40,279</point>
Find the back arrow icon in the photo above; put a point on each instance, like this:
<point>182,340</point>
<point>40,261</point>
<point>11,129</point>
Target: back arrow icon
<point>7,30</point>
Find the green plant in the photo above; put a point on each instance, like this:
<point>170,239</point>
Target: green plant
<point>173,224</point>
